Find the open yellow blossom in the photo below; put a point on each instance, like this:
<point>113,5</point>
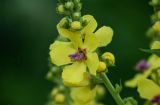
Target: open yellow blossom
<point>83,95</point>
<point>103,35</point>
<point>149,90</point>
<point>154,62</point>
<point>84,56</point>
<point>80,52</point>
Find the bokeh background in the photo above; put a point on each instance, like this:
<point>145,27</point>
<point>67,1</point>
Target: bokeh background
<point>28,27</point>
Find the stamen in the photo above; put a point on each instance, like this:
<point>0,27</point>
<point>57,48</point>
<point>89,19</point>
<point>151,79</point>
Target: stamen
<point>156,100</point>
<point>79,55</point>
<point>142,65</point>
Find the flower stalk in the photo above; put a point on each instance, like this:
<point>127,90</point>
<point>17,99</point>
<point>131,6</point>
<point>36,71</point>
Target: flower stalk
<point>111,89</point>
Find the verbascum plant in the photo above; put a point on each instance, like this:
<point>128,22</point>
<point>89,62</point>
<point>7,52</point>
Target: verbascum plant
<point>148,80</point>
<point>77,69</point>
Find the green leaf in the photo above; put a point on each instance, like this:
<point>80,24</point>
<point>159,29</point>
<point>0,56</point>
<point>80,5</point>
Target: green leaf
<point>153,51</point>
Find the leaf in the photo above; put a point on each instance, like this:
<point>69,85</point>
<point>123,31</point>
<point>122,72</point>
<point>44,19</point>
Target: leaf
<point>153,51</point>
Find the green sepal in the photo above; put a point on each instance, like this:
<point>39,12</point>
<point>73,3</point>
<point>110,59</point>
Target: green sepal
<point>95,80</point>
<point>130,101</point>
<point>118,88</point>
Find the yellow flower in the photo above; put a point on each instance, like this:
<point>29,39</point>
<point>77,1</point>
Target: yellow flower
<point>103,35</point>
<point>154,62</point>
<point>80,53</point>
<point>149,90</point>
<point>65,53</point>
<point>83,95</point>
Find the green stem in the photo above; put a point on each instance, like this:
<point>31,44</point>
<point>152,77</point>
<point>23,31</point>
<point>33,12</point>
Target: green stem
<point>111,89</point>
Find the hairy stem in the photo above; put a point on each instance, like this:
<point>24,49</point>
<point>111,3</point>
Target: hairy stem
<point>111,89</point>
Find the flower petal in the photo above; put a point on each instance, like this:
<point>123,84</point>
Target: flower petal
<point>60,51</point>
<point>148,89</point>
<point>133,82</point>
<point>74,36</point>
<point>83,95</point>
<point>73,74</point>
<point>91,24</point>
<point>104,35</point>
<point>92,62</point>
<point>90,42</point>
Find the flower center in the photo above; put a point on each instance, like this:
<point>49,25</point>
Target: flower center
<point>142,65</point>
<point>79,55</point>
<point>156,100</point>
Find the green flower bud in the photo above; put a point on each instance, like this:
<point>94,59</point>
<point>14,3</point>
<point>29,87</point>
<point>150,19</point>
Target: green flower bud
<point>155,2</point>
<point>69,5</point>
<point>156,26</point>
<point>60,9</point>
<point>76,15</point>
<point>155,45</point>
<point>100,90</point>
<point>54,92</point>
<point>79,7</point>
<point>158,14</point>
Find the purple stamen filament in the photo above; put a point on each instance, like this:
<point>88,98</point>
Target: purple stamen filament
<point>79,55</point>
<point>156,100</point>
<point>142,65</point>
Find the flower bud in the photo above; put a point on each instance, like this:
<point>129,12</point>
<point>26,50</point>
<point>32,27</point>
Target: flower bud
<point>69,5</point>
<point>60,9</point>
<point>155,45</point>
<point>64,23</point>
<point>49,76</point>
<point>77,1</point>
<point>109,57</point>
<point>76,15</point>
<point>101,67</point>
<point>156,26</point>
<point>76,25</point>
<point>158,14</point>
<point>155,2</point>
<point>100,90</point>
<point>54,92</point>
<point>59,98</point>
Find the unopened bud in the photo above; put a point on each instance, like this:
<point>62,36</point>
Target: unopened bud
<point>156,26</point>
<point>155,45</point>
<point>54,92</point>
<point>64,23</point>
<point>158,14</point>
<point>69,5</point>
<point>59,98</point>
<point>109,57</point>
<point>76,15</point>
<point>155,2</point>
<point>100,90</point>
<point>49,76</point>
<point>101,67</point>
<point>75,25</point>
<point>60,9</point>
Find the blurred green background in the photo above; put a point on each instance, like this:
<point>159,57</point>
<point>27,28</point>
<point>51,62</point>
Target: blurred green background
<point>28,27</point>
